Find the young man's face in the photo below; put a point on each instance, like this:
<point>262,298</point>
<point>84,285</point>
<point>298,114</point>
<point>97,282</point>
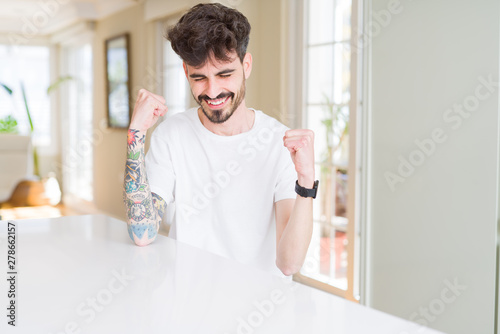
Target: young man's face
<point>219,87</point>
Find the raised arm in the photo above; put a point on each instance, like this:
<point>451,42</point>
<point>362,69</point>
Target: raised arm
<point>144,208</point>
<point>294,218</point>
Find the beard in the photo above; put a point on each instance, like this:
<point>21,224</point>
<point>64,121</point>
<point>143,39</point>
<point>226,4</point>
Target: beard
<point>219,116</point>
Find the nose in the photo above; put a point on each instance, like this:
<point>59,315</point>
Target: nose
<point>212,89</point>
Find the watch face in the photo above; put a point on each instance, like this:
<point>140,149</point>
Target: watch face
<point>316,183</point>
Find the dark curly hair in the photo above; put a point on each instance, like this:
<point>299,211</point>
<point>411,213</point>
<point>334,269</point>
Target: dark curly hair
<point>209,29</point>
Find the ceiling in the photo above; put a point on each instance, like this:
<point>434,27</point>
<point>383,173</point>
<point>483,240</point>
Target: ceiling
<point>44,17</point>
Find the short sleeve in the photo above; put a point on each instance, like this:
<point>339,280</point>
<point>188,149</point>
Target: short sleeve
<point>285,185</point>
<point>159,168</point>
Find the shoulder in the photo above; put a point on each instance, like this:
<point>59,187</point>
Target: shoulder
<point>179,122</point>
<point>266,122</point>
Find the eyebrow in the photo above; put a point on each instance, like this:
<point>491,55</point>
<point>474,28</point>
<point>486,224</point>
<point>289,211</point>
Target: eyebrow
<point>226,71</point>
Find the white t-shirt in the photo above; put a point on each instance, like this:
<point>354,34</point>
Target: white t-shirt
<point>224,187</point>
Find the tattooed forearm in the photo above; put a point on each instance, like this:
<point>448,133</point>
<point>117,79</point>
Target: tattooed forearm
<point>159,204</point>
<point>144,209</point>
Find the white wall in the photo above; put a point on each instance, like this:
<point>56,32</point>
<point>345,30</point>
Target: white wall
<point>110,154</point>
<point>440,223</point>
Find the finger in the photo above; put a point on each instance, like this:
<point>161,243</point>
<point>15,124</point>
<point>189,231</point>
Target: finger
<point>154,105</point>
<point>289,141</point>
<point>159,112</point>
<point>299,132</point>
<point>158,97</point>
<point>306,139</point>
<point>163,110</point>
<point>158,108</point>
<point>147,94</point>
<point>142,93</point>
<point>296,142</point>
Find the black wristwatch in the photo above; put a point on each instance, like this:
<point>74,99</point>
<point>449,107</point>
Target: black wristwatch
<point>305,192</point>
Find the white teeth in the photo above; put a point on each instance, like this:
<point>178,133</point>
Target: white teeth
<point>219,102</point>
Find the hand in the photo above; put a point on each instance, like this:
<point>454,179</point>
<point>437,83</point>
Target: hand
<point>148,108</point>
<point>300,143</point>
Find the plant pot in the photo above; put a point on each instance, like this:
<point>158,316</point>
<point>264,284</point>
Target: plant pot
<point>35,192</point>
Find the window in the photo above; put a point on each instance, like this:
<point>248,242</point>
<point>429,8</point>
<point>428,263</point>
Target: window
<point>77,118</point>
<point>175,89</point>
<point>175,85</point>
<point>28,66</point>
<point>326,100</point>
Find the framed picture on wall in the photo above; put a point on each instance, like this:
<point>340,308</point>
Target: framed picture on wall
<point>118,81</point>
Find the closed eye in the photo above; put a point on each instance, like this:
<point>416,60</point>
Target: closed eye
<point>197,77</point>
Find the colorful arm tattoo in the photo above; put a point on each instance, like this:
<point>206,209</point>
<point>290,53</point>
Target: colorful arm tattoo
<point>144,209</point>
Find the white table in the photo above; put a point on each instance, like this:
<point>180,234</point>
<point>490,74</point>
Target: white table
<point>83,274</point>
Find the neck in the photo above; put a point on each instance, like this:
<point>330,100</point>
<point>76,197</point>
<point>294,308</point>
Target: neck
<point>241,121</point>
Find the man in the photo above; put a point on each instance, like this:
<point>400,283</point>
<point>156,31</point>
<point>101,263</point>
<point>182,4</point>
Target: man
<point>230,170</point>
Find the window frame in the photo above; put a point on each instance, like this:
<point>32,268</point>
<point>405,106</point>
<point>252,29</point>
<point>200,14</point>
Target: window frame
<point>161,26</point>
<point>297,47</point>
<point>82,36</point>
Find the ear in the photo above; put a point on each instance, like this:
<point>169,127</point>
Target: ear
<point>185,69</point>
<point>247,65</point>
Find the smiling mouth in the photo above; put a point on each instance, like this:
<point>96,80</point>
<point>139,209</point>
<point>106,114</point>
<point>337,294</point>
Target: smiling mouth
<point>217,103</point>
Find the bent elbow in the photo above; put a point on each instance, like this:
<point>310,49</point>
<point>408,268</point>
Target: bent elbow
<point>288,269</point>
<point>142,243</point>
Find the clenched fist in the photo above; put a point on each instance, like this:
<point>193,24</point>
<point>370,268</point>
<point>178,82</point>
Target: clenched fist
<point>148,108</point>
<point>300,143</point>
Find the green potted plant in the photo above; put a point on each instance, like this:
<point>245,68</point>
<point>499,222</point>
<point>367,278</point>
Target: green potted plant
<point>8,124</point>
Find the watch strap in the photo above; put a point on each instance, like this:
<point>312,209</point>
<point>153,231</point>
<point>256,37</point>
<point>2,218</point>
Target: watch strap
<point>306,192</point>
